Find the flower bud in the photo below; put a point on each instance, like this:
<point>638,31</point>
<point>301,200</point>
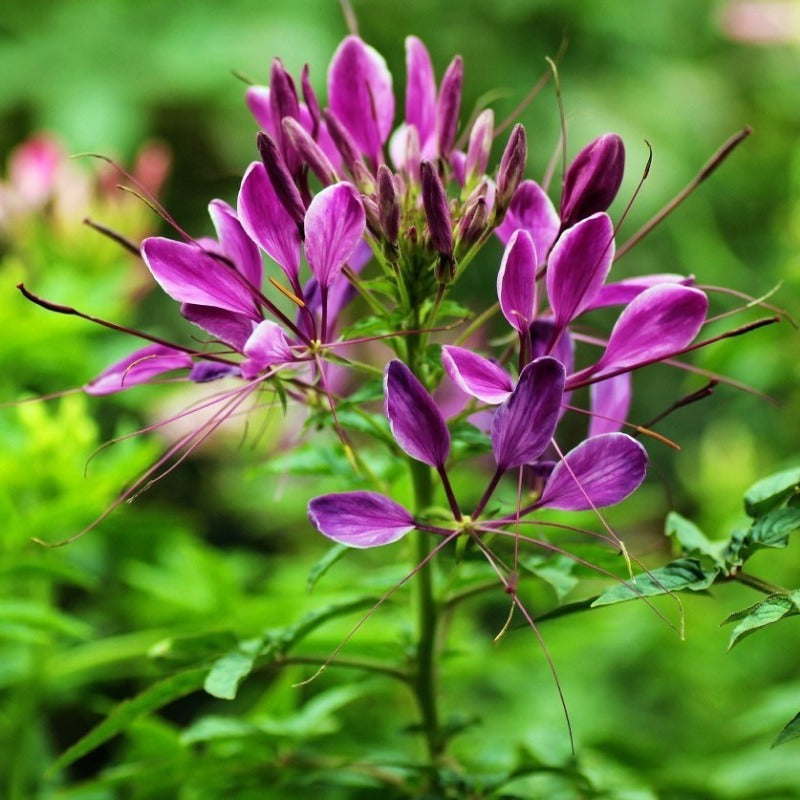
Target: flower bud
<point>448,106</point>
<point>434,200</point>
<point>412,154</point>
<point>283,103</point>
<point>351,155</point>
<point>388,205</point>
<point>593,179</point>
<point>480,145</point>
<point>280,179</point>
<point>309,151</point>
<point>474,221</point>
<point>311,103</point>
<point>512,167</point>
<point>373,214</point>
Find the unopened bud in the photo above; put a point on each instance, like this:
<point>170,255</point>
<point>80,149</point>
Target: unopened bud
<point>434,200</point>
<point>388,206</point>
<point>413,156</point>
<point>348,149</point>
<point>311,103</point>
<point>281,179</point>
<point>593,179</point>
<point>283,103</point>
<point>448,106</point>
<point>474,221</point>
<point>480,145</point>
<point>512,167</point>
<point>309,151</point>
<point>373,214</point>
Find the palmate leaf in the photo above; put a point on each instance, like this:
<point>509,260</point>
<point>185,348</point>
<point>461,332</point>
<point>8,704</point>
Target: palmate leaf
<point>228,670</point>
<point>790,731</point>
<point>765,612</point>
<point>677,576</point>
<point>771,492</point>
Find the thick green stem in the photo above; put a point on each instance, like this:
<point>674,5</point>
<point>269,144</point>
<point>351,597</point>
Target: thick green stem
<point>425,677</point>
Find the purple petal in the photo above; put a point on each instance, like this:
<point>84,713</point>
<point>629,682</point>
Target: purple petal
<point>137,368</point>
<point>610,403</point>
<point>267,222</point>
<point>622,292</point>
<point>416,422</point>
<point>235,243</point>
<point>656,324</point>
<point>335,223</point>
<point>477,375</point>
<point>266,346</point>
<point>480,146</point>
<point>420,89</point>
<point>233,329</point>
<point>190,275</point>
<point>360,94</point>
<point>524,425</point>
<point>578,266</point>
<point>208,371</point>
<point>448,105</point>
<point>257,98</point>
<point>516,281</point>
<point>600,471</point>
<point>542,332</point>
<point>360,519</point>
<point>532,210</point>
<point>593,179</point>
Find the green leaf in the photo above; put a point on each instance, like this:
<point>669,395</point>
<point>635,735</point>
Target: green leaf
<point>557,573</point>
<point>324,564</point>
<point>692,541</point>
<point>31,614</point>
<point>680,575</point>
<point>790,731</point>
<point>771,492</point>
<point>229,671</point>
<point>127,712</point>
<point>766,612</point>
<point>469,441</point>
<point>773,529</point>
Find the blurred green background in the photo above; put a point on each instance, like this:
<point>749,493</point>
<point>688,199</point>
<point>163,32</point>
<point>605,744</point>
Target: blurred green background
<point>223,544</point>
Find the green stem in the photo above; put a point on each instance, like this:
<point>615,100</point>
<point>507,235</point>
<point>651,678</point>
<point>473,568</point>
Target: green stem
<point>757,583</point>
<point>425,678</point>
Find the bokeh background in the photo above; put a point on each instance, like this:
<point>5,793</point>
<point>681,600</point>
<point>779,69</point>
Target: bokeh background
<point>223,545</point>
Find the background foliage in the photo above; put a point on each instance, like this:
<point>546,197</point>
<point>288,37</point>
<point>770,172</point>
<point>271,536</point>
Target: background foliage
<point>220,551</point>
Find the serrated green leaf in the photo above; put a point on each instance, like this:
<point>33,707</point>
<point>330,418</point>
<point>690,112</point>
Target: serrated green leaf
<point>771,492</point>
<point>683,574</point>
<point>766,612</point>
<point>790,731</point>
<point>324,564</point>
<point>692,541</point>
<point>231,669</point>
<point>774,528</point>
<point>127,712</point>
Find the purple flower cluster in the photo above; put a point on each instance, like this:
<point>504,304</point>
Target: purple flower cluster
<point>338,186</point>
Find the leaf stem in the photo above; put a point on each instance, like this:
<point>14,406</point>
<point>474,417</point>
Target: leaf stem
<point>759,584</point>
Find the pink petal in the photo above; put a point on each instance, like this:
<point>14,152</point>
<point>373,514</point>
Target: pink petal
<point>190,275</point>
<point>266,346</point>
<point>656,324</point>
<point>267,222</point>
<point>420,89</point>
<point>416,422</point>
<point>578,266</point>
<point>360,519</point>
<point>233,329</point>
<point>622,292</point>
<point>477,375</point>
<point>138,368</point>
<point>610,403</point>
<point>599,472</point>
<point>360,94</point>
<point>532,210</point>
<point>235,243</point>
<point>516,281</point>
<point>335,222</point>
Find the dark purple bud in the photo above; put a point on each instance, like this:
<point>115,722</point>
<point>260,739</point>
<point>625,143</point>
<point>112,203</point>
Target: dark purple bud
<point>593,179</point>
<point>474,221</point>
<point>448,105</point>
<point>281,179</point>
<point>434,199</point>
<point>417,423</point>
<point>512,167</point>
<point>283,103</point>
<point>523,426</point>
<point>348,149</point>
<point>373,214</point>
<point>388,205</point>
<point>311,103</point>
<point>480,145</point>
<point>309,151</point>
